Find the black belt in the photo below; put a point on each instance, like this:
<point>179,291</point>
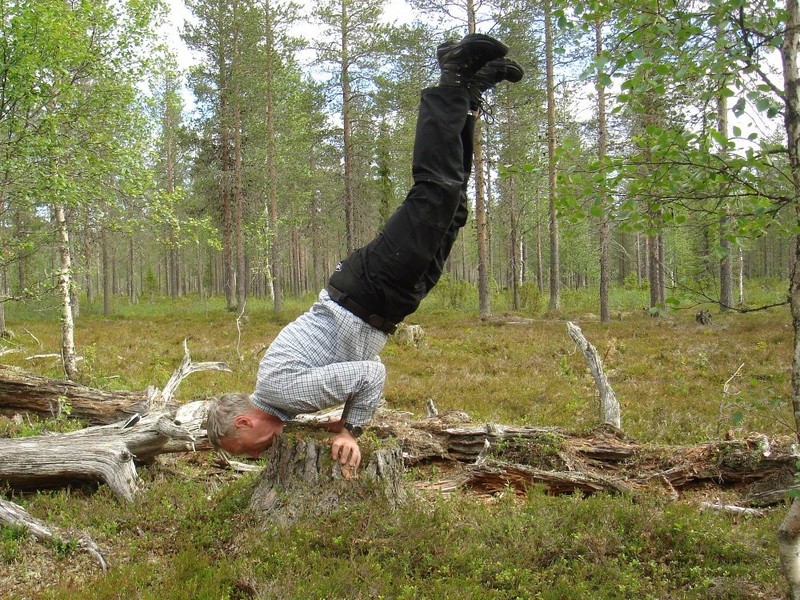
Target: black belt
<point>346,302</point>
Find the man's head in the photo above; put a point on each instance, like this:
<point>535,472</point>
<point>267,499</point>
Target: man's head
<point>235,425</point>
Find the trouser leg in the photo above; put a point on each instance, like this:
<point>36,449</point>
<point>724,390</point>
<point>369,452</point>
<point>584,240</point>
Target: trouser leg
<point>391,274</point>
<point>436,267</point>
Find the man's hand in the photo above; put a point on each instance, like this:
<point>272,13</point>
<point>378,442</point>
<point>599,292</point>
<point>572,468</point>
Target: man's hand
<point>345,449</point>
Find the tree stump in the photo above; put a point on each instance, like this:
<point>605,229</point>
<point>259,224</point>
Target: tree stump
<point>703,317</point>
<point>301,478</point>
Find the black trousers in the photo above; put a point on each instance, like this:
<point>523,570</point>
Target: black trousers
<point>393,273</point>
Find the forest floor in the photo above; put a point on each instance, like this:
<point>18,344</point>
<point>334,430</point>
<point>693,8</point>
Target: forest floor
<point>189,533</point>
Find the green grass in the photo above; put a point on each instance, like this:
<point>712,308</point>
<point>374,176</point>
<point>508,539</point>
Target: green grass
<point>190,535</point>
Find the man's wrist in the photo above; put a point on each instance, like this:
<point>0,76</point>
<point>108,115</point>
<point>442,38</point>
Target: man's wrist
<point>354,430</point>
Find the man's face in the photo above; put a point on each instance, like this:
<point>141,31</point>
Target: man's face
<point>249,438</point>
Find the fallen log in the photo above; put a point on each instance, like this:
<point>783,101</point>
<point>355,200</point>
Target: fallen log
<point>606,454</point>
<point>21,391</point>
<point>109,453</point>
<point>104,453</point>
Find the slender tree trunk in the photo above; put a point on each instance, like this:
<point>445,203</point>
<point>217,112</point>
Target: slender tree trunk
<point>726,262</point>
<point>68,355</point>
<point>539,257</point>
<point>742,298</point>
<point>652,268</point>
<point>131,270</point>
<point>481,227</point>
<point>272,173</point>
<point>514,245</point>
<point>106,272</point>
<point>789,530</point>
<point>22,261</point>
<point>661,267</point>
<point>241,277</point>
<point>4,294</point>
<point>228,238</point>
<point>555,262</point>
<point>602,145</point>
<point>347,131</point>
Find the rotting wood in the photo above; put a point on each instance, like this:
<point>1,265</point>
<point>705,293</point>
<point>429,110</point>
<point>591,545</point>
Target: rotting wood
<point>13,515</point>
<point>733,509</point>
<point>162,399</point>
<point>493,477</point>
<point>605,454</point>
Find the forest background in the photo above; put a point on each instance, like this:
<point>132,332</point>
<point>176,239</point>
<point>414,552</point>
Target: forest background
<point>245,179</point>
<point>296,150</point>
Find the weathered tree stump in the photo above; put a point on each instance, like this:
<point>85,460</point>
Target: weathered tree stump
<point>301,478</point>
<point>703,317</point>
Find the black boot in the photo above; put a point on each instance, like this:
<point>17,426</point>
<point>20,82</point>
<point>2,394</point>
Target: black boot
<point>492,73</point>
<point>461,60</point>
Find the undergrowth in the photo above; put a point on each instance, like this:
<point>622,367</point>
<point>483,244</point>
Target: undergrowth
<point>190,535</point>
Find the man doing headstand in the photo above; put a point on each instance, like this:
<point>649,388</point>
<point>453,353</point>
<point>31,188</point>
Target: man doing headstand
<point>329,355</point>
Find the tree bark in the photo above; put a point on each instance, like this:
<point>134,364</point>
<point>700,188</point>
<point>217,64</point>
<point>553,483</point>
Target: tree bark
<point>602,147</point>
<point>555,262</point>
<point>271,165</point>
<point>104,453</point>
<point>347,132</point>
<point>789,531</point>
<point>301,477</point>
<point>68,355</point>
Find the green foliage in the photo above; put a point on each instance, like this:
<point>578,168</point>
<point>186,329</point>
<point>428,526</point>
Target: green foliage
<point>10,537</point>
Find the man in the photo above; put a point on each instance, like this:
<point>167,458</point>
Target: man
<point>329,355</point>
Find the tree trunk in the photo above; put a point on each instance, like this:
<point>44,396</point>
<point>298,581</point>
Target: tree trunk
<point>68,355</point>
<point>555,262</point>
<point>481,226</point>
<point>241,276</point>
<point>106,271</point>
<point>652,269</point>
<point>21,391</point>
<point>14,515</point>
<point>228,240</point>
<point>789,531</point>
<point>347,131</point>
<point>271,166</point>
<point>602,145</point>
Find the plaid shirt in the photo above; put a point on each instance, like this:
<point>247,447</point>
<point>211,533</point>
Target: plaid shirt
<point>325,357</point>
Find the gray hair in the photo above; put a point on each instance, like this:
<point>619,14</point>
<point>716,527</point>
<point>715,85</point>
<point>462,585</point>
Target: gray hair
<point>221,414</point>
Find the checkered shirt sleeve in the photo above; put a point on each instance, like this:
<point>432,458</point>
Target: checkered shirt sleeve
<point>326,357</point>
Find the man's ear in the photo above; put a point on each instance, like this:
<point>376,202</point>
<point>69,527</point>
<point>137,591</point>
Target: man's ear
<point>242,421</point>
